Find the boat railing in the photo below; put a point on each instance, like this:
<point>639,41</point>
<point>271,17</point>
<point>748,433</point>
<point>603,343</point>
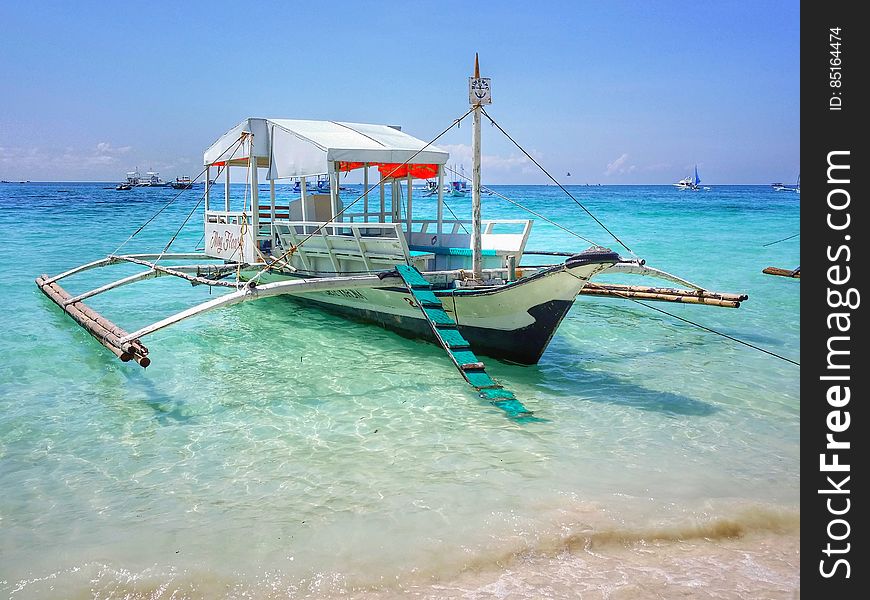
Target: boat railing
<point>505,236</point>
<point>229,236</point>
<point>346,247</point>
<point>227,218</point>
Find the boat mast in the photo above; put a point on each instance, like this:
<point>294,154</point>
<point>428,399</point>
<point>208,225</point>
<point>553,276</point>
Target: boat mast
<point>478,95</point>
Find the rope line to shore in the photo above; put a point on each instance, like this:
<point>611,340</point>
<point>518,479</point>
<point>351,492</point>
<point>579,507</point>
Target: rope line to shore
<point>525,208</point>
<point>782,240</point>
<point>553,179</point>
<point>708,329</point>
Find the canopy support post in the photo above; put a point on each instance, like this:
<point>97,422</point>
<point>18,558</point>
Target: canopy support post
<point>255,202</point>
<point>272,214</point>
<point>366,192</point>
<point>227,189</point>
<point>303,190</point>
<point>408,217</point>
<point>383,217</point>
<point>207,178</point>
<point>395,201</point>
<point>440,203</point>
<point>333,190</point>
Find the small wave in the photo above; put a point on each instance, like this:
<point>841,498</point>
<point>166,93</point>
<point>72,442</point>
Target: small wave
<point>723,528</point>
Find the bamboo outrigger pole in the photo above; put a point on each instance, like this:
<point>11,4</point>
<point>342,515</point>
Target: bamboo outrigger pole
<point>103,330</point>
<point>639,292</point>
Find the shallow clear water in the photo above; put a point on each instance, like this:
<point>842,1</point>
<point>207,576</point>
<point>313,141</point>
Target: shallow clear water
<point>272,450</point>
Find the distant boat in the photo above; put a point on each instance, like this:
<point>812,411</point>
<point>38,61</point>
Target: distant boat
<point>689,183</point>
<point>309,187</point>
<point>322,186</point>
<point>151,179</point>
<point>132,178</point>
<point>124,186</point>
<point>784,188</point>
<point>182,183</point>
<point>458,187</point>
<point>431,188</point>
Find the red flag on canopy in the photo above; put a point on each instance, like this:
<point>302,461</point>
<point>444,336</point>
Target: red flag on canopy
<point>421,171</point>
<point>394,170</point>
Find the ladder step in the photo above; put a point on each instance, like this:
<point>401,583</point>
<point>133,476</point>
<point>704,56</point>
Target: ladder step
<point>475,366</point>
<point>464,357</point>
<point>452,338</point>
<point>479,379</point>
<point>427,299</point>
<point>412,277</point>
<point>438,316</point>
<point>497,394</point>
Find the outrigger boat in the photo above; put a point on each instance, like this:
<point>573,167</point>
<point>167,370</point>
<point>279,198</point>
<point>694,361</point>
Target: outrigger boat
<point>458,283</point>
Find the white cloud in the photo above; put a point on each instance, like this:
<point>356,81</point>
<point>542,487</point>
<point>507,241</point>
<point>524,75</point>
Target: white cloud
<point>106,149</point>
<point>618,166</point>
<point>460,154</point>
<point>47,160</point>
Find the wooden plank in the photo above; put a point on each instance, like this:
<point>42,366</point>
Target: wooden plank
<point>795,274</point>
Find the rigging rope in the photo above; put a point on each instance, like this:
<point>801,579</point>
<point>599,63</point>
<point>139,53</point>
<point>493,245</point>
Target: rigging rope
<point>529,210</point>
<point>698,325</point>
<point>201,199</point>
<point>455,218</point>
<point>165,206</point>
<point>782,240</point>
<point>317,229</point>
<point>562,187</point>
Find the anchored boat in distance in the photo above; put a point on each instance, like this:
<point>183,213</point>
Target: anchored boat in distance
<point>690,182</point>
<point>182,183</point>
<point>779,187</point>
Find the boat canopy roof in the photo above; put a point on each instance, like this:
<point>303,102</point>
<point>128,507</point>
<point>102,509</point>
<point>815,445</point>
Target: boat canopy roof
<point>299,148</point>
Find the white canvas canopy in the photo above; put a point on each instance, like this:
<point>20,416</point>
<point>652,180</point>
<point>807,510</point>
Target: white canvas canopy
<point>298,148</point>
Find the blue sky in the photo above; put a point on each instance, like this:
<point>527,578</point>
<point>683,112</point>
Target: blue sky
<point>614,92</point>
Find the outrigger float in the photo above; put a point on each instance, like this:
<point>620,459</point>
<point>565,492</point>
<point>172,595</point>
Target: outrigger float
<point>428,278</point>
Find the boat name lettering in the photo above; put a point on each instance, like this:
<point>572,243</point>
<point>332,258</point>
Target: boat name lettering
<point>352,294</point>
<point>225,241</point>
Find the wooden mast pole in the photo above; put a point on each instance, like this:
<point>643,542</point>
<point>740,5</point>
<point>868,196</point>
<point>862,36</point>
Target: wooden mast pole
<point>476,259</point>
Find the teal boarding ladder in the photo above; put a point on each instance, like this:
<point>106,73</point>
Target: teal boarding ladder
<point>456,346</point>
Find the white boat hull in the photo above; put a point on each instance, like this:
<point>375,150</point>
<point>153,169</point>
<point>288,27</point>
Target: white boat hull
<point>513,322</point>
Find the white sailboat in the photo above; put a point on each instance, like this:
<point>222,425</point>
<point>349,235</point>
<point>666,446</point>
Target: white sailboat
<point>784,188</point>
<point>455,282</point>
<point>690,182</point>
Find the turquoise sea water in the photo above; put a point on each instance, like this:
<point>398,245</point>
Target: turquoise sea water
<point>275,451</point>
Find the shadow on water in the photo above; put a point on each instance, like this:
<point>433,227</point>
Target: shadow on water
<point>577,384</point>
<point>168,410</point>
<point>574,383</point>
<point>568,381</point>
